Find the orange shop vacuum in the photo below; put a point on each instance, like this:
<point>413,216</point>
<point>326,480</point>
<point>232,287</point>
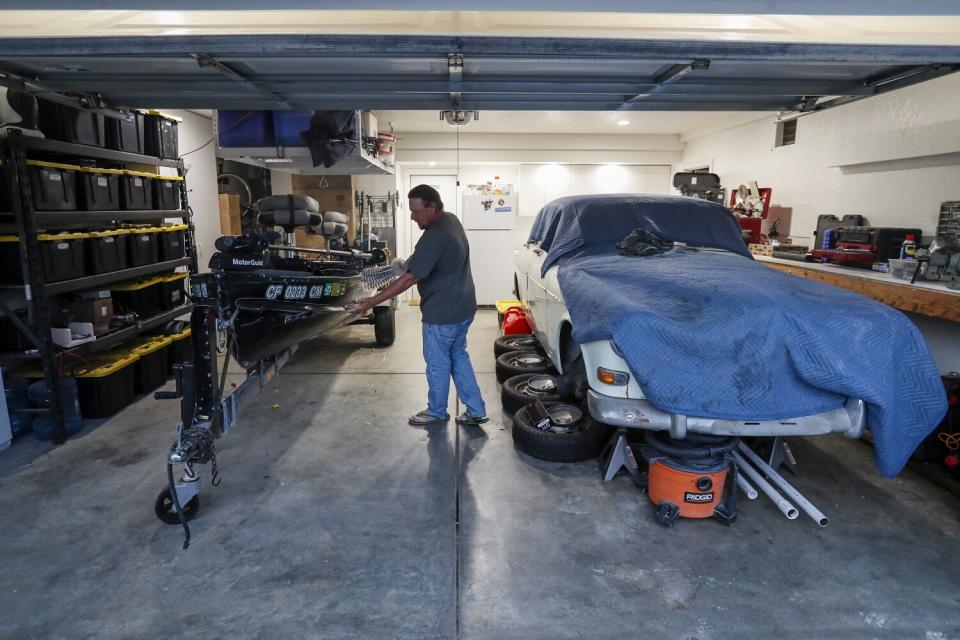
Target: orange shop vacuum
<point>691,478</point>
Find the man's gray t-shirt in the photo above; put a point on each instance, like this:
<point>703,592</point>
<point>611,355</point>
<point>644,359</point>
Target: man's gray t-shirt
<point>441,260</point>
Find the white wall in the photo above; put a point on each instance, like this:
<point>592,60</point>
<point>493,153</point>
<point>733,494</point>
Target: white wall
<point>892,158</point>
<point>201,167</point>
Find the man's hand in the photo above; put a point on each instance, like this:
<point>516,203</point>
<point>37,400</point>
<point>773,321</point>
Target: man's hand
<point>361,306</point>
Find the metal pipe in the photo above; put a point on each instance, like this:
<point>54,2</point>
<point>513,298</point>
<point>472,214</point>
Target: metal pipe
<point>746,487</point>
<point>782,503</point>
<point>785,486</point>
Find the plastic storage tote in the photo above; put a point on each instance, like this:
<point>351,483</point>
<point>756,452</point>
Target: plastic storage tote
<point>153,366</point>
<point>166,192</point>
<point>53,185</point>
<point>137,192</point>
<point>181,346</point>
<point>287,126</point>
<point>160,135</point>
<point>106,251</point>
<point>245,129</point>
<point>142,298</point>
<point>98,189</point>
<point>107,385</point>
<point>70,124</point>
<point>171,242</point>
<point>125,131</point>
<point>61,257</point>
<point>142,246</point>
<point>173,291</point>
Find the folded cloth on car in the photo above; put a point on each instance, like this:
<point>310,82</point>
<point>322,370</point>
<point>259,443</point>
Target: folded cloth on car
<point>718,335</point>
<point>641,243</point>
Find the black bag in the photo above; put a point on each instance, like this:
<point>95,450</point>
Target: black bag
<point>332,136</point>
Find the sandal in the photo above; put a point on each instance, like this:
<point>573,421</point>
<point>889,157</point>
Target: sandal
<point>424,418</point>
<point>471,421</point>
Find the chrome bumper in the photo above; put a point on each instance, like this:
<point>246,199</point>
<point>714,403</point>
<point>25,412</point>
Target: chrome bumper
<point>848,420</point>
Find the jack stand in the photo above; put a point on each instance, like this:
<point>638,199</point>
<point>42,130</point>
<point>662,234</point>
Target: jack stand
<point>781,454</point>
<point>618,454</point>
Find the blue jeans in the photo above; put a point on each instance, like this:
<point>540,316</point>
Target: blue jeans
<point>445,352</point>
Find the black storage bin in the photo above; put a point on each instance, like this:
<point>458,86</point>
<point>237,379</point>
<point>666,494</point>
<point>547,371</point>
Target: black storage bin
<point>153,364</point>
<point>70,124</point>
<point>125,131</point>
<point>160,135</point>
<point>181,347</point>
<point>166,192</point>
<point>172,242</point>
<point>61,257</point>
<point>137,194</point>
<point>107,386</point>
<point>142,298</point>
<point>106,251</point>
<point>173,293</point>
<point>53,185</point>
<point>142,247</point>
<point>99,189</point>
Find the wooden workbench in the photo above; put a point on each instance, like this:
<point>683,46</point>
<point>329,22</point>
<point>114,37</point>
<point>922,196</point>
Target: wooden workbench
<point>928,298</point>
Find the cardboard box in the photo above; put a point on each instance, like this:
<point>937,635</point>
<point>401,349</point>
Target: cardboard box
<point>308,240</point>
<point>92,311</point>
<point>230,223</point>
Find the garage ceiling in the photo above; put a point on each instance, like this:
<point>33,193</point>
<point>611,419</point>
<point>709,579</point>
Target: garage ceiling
<point>474,72</point>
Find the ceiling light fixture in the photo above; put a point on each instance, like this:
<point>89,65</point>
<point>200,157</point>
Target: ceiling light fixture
<point>432,163</point>
<point>623,123</point>
<point>459,118</point>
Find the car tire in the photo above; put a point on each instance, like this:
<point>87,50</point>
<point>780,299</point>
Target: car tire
<point>574,438</point>
<point>519,391</point>
<point>515,342</point>
<point>384,326</point>
<point>513,363</point>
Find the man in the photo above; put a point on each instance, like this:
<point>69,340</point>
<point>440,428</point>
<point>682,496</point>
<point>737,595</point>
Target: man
<point>440,267</point>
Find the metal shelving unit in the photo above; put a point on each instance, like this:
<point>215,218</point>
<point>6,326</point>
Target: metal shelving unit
<point>34,295</point>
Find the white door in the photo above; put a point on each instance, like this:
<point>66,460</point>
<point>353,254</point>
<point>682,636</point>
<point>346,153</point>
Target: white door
<point>447,186</point>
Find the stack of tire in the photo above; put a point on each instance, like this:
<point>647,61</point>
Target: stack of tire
<point>526,375</point>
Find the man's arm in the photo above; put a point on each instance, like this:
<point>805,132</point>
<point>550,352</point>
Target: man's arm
<point>392,290</point>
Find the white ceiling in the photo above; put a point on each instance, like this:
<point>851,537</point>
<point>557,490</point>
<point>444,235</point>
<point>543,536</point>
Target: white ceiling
<point>564,122</point>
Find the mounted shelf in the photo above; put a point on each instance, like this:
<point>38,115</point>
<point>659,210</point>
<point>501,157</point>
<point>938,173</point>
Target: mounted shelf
<point>55,147</point>
<point>92,282</point>
<point>113,338</point>
<point>275,144</point>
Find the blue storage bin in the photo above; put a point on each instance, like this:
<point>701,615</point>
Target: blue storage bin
<point>287,126</point>
<point>245,129</point>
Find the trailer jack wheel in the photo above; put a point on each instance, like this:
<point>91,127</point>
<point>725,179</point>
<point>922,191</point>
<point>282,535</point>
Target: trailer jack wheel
<point>165,510</point>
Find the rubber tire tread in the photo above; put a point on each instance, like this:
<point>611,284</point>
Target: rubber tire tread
<point>506,370</point>
<point>384,326</point>
<point>559,447</point>
<point>512,400</point>
<point>502,345</point>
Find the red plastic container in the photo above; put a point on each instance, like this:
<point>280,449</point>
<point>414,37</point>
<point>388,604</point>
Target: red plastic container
<point>514,322</point>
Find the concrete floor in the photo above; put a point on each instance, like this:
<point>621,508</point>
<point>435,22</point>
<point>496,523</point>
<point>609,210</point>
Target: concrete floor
<point>337,520</point>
